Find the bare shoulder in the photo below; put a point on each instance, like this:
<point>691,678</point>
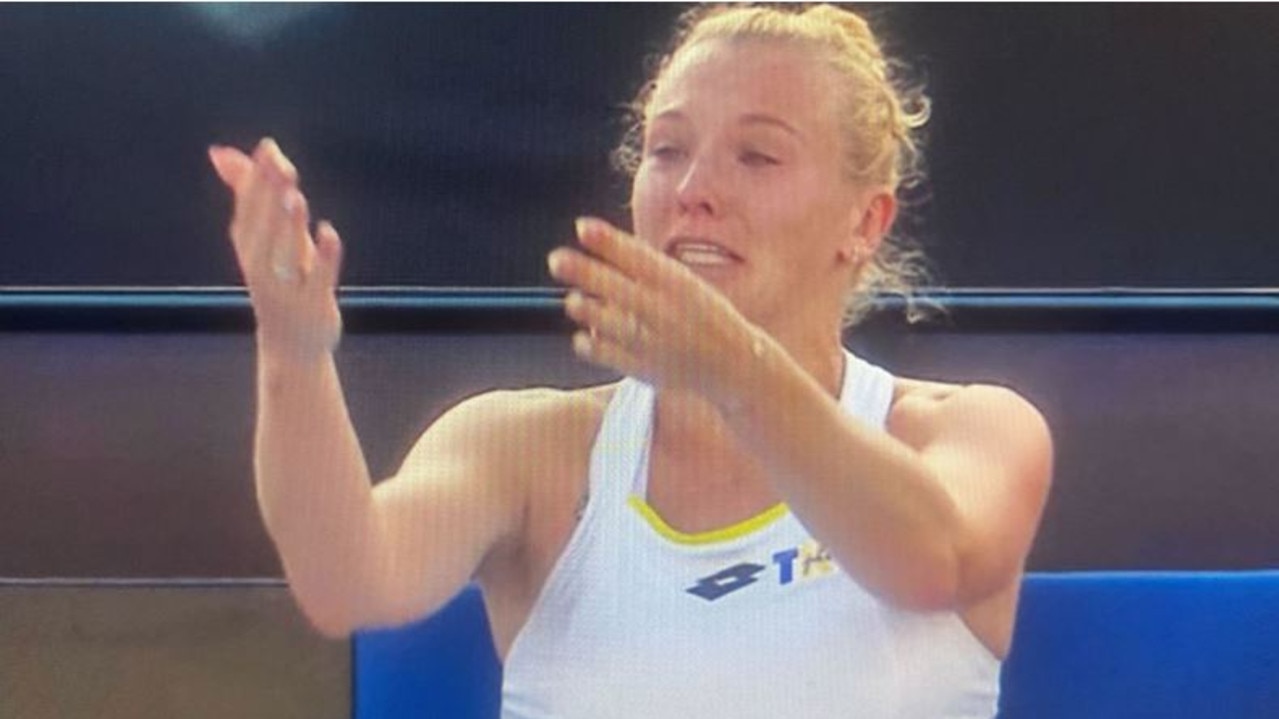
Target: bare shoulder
<point>528,452</point>
<point>514,408</point>
<point>479,462</point>
<point>503,426</point>
<point>980,416</point>
<point>494,457</point>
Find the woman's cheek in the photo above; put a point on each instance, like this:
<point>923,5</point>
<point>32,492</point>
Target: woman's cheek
<point>648,205</point>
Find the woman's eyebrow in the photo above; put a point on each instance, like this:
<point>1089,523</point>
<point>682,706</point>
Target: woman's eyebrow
<point>749,118</point>
<point>759,118</point>
<point>668,116</point>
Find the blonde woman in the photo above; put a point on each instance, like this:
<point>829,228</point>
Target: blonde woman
<point>755,522</point>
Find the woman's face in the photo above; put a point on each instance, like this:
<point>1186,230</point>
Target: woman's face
<point>741,178</point>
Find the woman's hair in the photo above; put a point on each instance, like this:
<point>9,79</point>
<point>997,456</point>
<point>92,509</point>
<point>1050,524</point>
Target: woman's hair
<point>880,119</point>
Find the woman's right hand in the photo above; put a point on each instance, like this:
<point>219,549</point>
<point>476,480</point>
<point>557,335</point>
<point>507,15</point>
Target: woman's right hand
<point>291,276</point>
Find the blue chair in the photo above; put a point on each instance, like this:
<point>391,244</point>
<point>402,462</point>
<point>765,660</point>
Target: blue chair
<point>1089,645</point>
<point>443,666</point>
<point>1145,644</point>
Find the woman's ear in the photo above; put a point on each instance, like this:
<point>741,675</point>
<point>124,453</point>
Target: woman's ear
<point>871,221</point>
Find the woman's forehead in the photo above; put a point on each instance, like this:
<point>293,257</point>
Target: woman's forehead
<point>744,77</point>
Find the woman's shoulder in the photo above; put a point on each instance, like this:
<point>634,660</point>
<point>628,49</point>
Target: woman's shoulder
<point>544,402</point>
<point>544,414</point>
<point>922,410</point>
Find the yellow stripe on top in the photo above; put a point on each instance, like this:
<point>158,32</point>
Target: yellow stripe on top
<point>724,534</point>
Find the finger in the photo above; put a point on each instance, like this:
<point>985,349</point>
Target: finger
<point>279,161</point>
<point>255,190</point>
<point>606,321</point>
<point>328,253</point>
<point>596,277</point>
<point>244,220</point>
<point>231,165</point>
<point>599,351</point>
<point>268,206</point>
<point>632,257</point>
<point>297,249</point>
<point>296,253</point>
<point>280,216</point>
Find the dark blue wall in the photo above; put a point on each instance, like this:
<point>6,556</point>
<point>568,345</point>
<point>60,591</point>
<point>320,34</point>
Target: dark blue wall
<point>1073,145</point>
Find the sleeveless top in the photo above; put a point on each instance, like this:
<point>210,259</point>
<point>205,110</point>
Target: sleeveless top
<point>755,620</point>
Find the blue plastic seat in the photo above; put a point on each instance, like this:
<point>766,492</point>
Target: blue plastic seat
<point>1132,645</point>
<point>443,666</point>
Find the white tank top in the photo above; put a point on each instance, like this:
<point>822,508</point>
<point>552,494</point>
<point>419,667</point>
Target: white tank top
<point>638,620</point>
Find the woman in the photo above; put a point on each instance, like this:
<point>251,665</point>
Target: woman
<point>755,522</point>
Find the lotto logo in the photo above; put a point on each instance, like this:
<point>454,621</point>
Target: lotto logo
<point>807,561</point>
<point>726,581</point>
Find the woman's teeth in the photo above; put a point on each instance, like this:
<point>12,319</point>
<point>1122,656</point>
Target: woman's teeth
<point>700,253</point>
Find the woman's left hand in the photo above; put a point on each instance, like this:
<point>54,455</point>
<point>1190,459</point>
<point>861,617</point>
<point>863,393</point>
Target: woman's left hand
<point>646,315</point>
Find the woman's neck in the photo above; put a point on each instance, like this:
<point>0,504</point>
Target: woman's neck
<point>687,422</point>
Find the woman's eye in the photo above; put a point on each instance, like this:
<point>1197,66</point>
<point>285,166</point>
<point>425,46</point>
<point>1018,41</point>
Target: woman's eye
<point>666,152</point>
<point>757,159</point>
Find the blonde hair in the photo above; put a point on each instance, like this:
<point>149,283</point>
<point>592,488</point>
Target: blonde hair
<point>880,123</point>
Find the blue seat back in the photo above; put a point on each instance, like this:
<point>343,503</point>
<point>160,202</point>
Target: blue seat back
<point>1145,644</point>
<point>443,666</point>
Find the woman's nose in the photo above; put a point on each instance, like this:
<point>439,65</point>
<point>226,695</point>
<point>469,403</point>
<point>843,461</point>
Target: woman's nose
<point>698,191</point>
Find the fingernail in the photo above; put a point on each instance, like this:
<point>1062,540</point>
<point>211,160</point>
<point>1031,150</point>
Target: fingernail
<point>555,261</point>
<point>290,202</point>
<point>589,226</point>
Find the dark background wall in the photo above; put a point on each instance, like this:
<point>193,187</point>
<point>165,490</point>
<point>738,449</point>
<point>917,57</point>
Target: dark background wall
<point>1073,145</point>
<point>130,455</point>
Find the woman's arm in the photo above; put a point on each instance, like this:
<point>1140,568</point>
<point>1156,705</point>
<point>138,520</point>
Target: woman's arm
<point>938,513</point>
<point>940,518</point>
<point>352,555</point>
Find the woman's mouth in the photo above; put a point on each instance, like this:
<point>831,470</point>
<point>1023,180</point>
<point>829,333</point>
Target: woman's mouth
<point>701,253</point>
